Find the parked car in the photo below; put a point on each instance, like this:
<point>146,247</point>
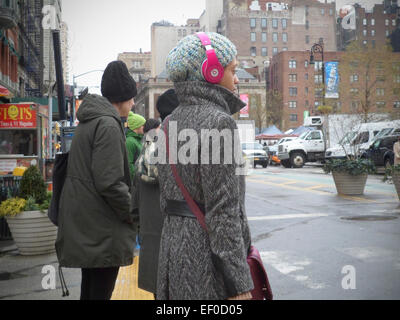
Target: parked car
<point>254,151</point>
<point>381,152</point>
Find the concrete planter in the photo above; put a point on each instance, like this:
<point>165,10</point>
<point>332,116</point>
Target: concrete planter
<point>396,182</point>
<point>347,184</point>
<point>33,233</point>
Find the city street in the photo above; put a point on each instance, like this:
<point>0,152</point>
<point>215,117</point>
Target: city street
<point>306,234</point>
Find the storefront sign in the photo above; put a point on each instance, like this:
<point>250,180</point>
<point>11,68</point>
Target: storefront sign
<point>17,116</point>
<point>7,166</point>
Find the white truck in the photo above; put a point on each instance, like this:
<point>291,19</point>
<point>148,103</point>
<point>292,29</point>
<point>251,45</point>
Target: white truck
<point>339,131</point>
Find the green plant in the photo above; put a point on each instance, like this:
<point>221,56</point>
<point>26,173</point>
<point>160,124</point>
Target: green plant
<point>390,171</point>
<point>33,185</point>
<point>46,204</point>
<point>31,204</point>
<point>12,207</point>
<point>353,167</point>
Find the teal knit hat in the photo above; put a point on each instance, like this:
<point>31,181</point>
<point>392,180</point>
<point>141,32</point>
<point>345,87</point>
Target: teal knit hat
<point>135,121</point>
<point>185,61</point>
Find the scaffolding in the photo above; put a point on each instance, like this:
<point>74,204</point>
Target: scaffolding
<point>31,42</point>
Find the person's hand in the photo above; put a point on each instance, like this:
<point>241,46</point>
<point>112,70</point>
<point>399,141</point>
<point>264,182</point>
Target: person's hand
<point>243,296</point>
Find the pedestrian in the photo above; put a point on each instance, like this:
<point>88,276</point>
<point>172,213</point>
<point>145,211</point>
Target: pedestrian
<point>134,138</point>
<point>195,264</point>
<point>396,151</point>
<point>96,231</point>
<point>151,219</point>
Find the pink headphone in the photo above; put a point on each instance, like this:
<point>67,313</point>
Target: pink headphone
<point>212,70</point>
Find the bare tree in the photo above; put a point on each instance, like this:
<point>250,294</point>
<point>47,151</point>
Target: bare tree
<point>274,108</point>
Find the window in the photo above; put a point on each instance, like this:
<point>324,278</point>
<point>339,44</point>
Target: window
<point>354,78</point>
<point>364,22</point>
<point>253,37</point>
<point>365,42</point>
<point>318,92</point>
<point>292,64</point>
<point>284,49</point>
<point>306,65</point>
<point>252,23</point>
<point>316,135</point>
<point>330,11</point>
<point>275,23</point>
<point>318,66</point>
<point>264,23</point>
<point>179,33</point>
<point>372,22</point>
<point>373,43</point>
<point>274,51</point>
<point>306,76</point>
<point>307,25</point>
<point>363,137</point>
<point>284,37</point>
<point>292,77</point>
<point>264,52</point>
<point>380,79</point>
<point>354,106</point>
<point>365,32</point>
<point>380,104</point>
<point>379,66</point>
<point>387,33</point>
<point>306,91</point>
<point>380,92</point>
<point>307,39</point>
<point>293,117</point>
<point>293,91</point>
<point>264,37</point>
<point>396,104</point>
<point>323,11</point>
<point>253,51</point>
<point>396,78</point>
<point>373,33</point>
<point>275,37</point>
<point>354,91</point>
<point>386,22</point>
<point>318,79</point>
<point>307,103</point>
<point>393,22</point>
<point>396,91</point>
<point>284,24</point>
<point>292,104</point>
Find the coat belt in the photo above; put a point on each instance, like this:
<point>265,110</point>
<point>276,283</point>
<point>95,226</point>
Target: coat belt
<point>181,209</point>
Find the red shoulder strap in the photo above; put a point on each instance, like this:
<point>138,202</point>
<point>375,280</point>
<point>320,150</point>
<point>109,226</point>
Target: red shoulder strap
<point>192,204</point>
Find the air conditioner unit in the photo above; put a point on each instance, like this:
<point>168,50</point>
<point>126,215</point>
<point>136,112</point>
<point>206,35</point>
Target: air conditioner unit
<point>313,121</point>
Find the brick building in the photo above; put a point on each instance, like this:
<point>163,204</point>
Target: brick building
<point>262,29</point>
<point>301,86</point>
<point>139,65</point>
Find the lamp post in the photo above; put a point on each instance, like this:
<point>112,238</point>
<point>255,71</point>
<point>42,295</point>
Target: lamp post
<point>74,87</point>
<point>319,48</point>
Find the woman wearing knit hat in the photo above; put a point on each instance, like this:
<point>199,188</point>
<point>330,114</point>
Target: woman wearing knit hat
<point>196,264</point>
<point>96,231</point>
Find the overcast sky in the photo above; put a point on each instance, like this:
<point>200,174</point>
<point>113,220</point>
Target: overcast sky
<point>100,29</point>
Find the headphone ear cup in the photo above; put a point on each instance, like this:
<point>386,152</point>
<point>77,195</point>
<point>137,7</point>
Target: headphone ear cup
<point>212,74</point>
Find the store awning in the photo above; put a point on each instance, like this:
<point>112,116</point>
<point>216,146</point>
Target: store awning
<point>4,92</point>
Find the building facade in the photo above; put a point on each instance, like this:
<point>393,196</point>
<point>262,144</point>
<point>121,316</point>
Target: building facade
<point>139,65</point>
<point>164,37</point>
<point>65,50</point>
<point>262,29</point>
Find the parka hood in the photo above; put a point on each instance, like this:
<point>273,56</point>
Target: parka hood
<point>95,106</point>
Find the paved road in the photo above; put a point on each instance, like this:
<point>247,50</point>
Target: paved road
<point>298,224</point>
<point>296,219</point>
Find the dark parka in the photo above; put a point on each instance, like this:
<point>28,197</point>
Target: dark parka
<point>95,229</point>
<point>195,264</point>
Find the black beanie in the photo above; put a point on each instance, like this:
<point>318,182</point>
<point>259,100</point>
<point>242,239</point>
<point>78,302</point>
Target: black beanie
<point>117,84</point>
<point>167,103</point>
<point>151,124</point>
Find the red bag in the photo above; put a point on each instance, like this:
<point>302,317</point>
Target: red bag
<point>262,289</point>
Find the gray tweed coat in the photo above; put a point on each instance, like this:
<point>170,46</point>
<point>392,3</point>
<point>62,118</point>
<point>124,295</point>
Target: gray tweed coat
<point>195,264</point>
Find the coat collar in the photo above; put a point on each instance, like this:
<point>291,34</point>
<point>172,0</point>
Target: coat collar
<point>198,92</point>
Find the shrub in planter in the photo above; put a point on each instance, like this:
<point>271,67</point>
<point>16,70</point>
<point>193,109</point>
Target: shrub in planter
<point>350,175</point>
<point>33,185</point>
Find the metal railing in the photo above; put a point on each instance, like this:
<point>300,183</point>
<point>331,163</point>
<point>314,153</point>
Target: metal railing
<point>9,188</point>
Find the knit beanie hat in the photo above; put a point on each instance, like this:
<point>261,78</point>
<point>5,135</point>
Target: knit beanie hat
<point>151,124</point>
<point>167,103</point>
<point>184,62</point>
<point>117,85</point>
<point>135,121</point>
